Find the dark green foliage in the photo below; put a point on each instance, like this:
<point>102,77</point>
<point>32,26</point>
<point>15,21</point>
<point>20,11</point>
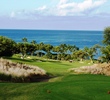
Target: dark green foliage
<point>49,55</point>
<point>106,40</point>
<point>105,54</point>
<point>41,46</point>
<point>106,50</point>
<point>24,40</point>
<point>90,52</point>
<point>48,47</point>
<point>26,48</point>
<point>54,57</point>
<point>23,48</point>
<point>68,57</point>
<point>7,46</point>
<point>80,55</point>
<point>62,51</point>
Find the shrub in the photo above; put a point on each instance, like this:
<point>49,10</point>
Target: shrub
<point>7,46</point>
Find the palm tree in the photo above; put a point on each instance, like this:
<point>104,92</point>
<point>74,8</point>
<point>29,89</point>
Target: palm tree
<point>63,48</point>
<point>71,48</point>
<point>41,46</point>
<point>56,49</point>
<point>32,49</point>
<point>105,53</point>
<point>48,48</point>
<point>90,52</point>
<point>33,42</point>
<point>79,54</point>
<point>24,40</point>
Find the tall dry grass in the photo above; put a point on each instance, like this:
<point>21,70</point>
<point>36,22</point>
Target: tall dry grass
<point>17,70</point>
<point>103,69</point>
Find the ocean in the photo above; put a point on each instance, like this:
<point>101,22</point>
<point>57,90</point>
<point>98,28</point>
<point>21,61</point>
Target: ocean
<point>56,37</point>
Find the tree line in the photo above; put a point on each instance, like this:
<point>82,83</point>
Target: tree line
<point>8,47</point>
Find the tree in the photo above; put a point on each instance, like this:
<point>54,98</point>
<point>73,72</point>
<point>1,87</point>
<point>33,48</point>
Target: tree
<point>71,48</point>
<point>33,47</point>
<point>33,42</point>
<point>41,46</point>
<point>68,57</point>
<point>105,53</point>
<point>23,48</point>
<point>24,40</point>
<point>90,52</point>
<point>57,50</point>
<point>48,48</point>
<point>80,54</point>
<point>7,46</point>
<point>106,40</point>
<point>63,48</point>
<point>49,55</point>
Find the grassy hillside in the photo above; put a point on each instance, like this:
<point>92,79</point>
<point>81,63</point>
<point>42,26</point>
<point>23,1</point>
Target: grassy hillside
<point>65,86</point>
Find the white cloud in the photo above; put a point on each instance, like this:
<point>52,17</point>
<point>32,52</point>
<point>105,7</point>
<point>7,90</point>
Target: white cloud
<point>12,15</point>
<point>73,8</point>
<point>62,8</point>
<point>69,8</point>
<point>42,8</point>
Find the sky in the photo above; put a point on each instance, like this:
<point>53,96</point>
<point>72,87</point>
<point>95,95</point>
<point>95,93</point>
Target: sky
<point>55,14</point>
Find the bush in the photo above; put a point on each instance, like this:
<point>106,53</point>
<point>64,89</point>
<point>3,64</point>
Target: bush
<point>7,46</point>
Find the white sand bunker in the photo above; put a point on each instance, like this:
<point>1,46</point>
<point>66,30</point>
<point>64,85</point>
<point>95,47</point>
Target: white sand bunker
<point>103,69</point>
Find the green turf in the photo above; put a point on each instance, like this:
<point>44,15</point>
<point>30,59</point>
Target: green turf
<point>66,86</point>
<point>53,67</point>
<point>70,87</point>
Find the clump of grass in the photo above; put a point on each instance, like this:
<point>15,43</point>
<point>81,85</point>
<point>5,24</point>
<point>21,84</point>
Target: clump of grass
<point>103,69</point>
<point>10,71</point>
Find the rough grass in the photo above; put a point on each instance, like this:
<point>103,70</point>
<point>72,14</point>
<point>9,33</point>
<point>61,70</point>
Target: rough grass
<point>10,71</point>
<point>103,69</point>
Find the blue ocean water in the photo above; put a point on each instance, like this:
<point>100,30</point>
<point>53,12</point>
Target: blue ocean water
<point>56,37</point>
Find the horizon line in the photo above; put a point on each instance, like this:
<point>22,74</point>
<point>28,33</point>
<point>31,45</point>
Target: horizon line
<point>50,29</point>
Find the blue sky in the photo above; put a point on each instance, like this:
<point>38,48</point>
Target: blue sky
<point>55,14</point>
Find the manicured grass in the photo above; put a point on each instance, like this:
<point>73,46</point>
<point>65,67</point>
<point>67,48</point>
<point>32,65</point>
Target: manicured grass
<point>70,87</point>
<point>53,67</point>
<point>66,86</point>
